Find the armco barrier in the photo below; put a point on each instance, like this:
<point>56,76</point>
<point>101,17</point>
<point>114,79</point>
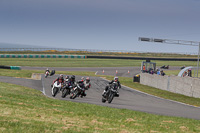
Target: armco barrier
<point>142,58</point>
<point>40,56</point>
<point>182,85</point>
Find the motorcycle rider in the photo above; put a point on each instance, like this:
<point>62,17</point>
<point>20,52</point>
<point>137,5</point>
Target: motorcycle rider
<point>117,83</point>
<point>84,85</point>
<point>87,83</point>
<point>66,78</point>
<point>47,71</point>
<point>71,81</point>
<point>59,80</point>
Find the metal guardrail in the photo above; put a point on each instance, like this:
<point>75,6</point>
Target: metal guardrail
<point>143,58</point>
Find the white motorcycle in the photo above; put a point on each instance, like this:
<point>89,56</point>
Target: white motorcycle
<point>56,88</point>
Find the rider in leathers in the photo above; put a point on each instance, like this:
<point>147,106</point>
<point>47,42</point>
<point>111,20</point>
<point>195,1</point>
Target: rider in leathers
<point>59,80</point>
<point>47,70</point>
<point>70,83</point>
<point>117,83</point>
<point>84,85</point>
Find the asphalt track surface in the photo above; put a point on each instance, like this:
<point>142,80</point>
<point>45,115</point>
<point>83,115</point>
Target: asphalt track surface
<point>129,98</point>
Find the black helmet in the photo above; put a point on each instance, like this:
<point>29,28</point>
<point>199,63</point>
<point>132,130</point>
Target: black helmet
<point>73,77</point>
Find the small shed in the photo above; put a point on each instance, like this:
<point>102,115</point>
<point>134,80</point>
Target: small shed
<point>146,66</point>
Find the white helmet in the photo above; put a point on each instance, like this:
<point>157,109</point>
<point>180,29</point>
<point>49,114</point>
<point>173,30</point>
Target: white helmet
<point>116,79</point>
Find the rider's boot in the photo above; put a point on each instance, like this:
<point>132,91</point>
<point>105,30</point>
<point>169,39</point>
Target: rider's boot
<point>104,93</point>
<point>117,94</point>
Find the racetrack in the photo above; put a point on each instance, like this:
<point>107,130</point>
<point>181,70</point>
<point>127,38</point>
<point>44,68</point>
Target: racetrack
<point>129,98</point>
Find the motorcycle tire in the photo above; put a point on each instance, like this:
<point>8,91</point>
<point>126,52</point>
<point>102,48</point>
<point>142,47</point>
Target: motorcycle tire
<point>74,95</point>
<point>64,93</point>
<point>55,91</point>
<point>110,98</point>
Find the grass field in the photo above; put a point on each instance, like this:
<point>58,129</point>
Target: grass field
<point>27,110</point>
<point>46,62</point>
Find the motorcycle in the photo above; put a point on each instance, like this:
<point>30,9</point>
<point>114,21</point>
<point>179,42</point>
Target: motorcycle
<point>56,88</point>
<point>77,91</point>
<point>110,94</point>
<point>46,74</point>
<point>66,91</point>
<point>165,67</point>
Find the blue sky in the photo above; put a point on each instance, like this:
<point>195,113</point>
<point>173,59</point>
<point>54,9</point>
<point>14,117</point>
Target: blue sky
<point>101,24</point>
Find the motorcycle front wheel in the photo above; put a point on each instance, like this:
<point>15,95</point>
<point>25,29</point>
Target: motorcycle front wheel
<point>64,93</point>
<point>74,95</point>
<point>54,91</point>
<point>110,98</point>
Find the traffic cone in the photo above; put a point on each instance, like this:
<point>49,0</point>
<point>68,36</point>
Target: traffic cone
<point>128,71</point>
<point>103,71</point>
<point>116,71</point>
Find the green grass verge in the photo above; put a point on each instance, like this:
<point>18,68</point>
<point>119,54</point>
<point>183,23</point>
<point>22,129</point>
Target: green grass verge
<point>51,62</point>
<point>28,73</point>
<point>27,110</point>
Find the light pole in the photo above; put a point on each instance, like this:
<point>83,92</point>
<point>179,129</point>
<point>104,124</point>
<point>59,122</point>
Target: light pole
<point>178,42</point>
<point>198,61</point>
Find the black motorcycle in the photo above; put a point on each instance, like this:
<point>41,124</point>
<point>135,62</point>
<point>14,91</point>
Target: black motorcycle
<point>164,67</point>
<point>77,91</point>
<point>110,94</point>
<point>66,90</point>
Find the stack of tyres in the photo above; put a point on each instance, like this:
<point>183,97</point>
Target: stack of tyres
<point>11,67</point>
<point>136,78</point>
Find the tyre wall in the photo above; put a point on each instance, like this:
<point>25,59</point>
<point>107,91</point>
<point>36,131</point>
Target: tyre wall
<point>40,56</point>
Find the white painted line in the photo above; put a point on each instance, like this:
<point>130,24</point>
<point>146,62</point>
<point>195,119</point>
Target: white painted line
<point>44,89</point>
<point>96,73</point>
<point>43,86</point>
